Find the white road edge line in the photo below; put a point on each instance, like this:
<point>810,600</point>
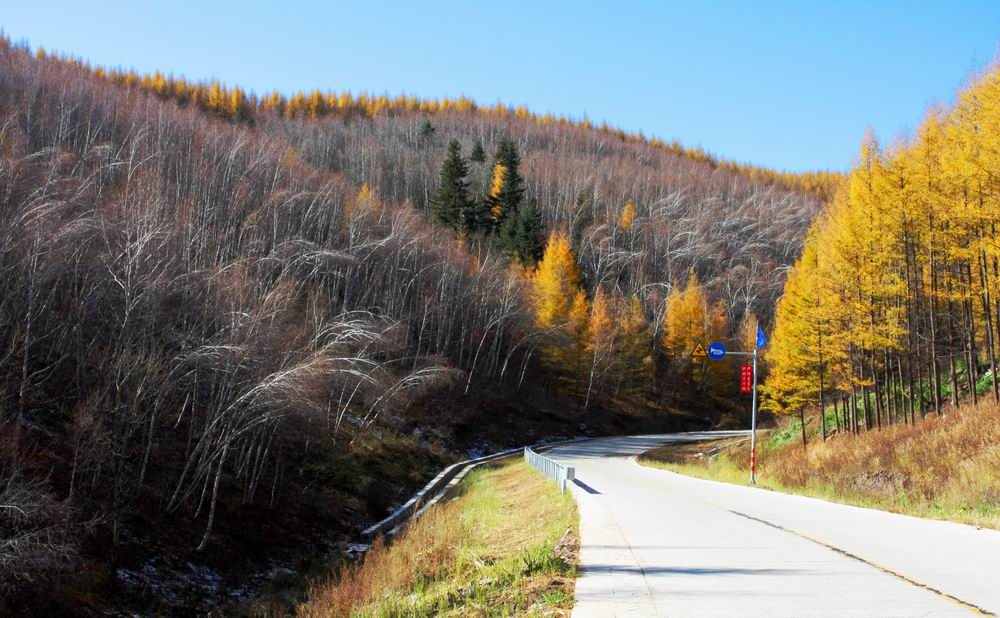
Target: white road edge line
<point>965,604</point>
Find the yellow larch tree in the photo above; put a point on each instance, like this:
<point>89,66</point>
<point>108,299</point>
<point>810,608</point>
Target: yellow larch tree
<point>676,342</point>
<point>237,106</point>
<point>627,216</point>
<point>574,350</point>
<point>599,344</point>
<point>688,320</point>
<point>691,320</point>
<point>296,107</point>
<point>317,104</point>
<point>897,289</point>
<point>633,356</point>
<point>803,357</point>
<point>561,310</point>
<point>216,101</point>
<point>496,185</point>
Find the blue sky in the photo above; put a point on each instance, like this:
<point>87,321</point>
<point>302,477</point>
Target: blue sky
<point>791,85</point>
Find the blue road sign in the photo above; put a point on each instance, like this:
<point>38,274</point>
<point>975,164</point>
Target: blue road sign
<point>716,351</point>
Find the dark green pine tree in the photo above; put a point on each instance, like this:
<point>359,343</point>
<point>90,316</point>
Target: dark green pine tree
<point>426,132</point>
<point>451,200</point>
<point>524,234</point>
<point>478,153</point>
<point>505,201</point>
<point>476,217</point>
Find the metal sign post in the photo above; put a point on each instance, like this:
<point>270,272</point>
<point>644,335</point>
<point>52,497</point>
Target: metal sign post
<point>717,351</point>
<point>760,342</point>
<point>753,424</point>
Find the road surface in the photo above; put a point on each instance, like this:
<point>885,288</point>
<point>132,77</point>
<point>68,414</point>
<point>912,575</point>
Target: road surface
<point>655,543</point>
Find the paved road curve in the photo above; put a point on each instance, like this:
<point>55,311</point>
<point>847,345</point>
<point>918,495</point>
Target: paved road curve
<point>655,543</point>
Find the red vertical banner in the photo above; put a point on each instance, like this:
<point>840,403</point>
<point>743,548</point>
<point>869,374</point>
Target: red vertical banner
<point>746,379</point>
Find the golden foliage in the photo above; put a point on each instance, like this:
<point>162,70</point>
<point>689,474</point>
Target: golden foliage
<point>627,216</point>
<point>556,282</point>
<point>600,330</point>
<point>901,269</point>
<point>499,176</point>
<point>690,320</point>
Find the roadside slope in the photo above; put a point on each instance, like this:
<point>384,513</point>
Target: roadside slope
<point>505,545</point>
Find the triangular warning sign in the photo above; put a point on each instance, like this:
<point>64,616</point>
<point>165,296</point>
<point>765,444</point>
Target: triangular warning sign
<point>699,351</point>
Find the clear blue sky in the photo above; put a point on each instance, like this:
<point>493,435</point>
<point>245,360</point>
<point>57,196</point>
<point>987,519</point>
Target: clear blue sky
<point>791,85</point>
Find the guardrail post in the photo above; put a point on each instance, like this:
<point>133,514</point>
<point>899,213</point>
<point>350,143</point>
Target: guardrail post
<point>550,469</point>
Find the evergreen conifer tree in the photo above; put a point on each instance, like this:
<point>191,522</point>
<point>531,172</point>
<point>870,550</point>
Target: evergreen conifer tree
<point>524,234</point>
<point>475,217</point>
<point>478,153</point>
<point>426,131</point>
<point>507,190</point>
<point>450,205</point>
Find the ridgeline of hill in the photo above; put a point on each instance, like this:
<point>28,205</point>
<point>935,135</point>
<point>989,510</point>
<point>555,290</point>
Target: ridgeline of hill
<point>228,341</point>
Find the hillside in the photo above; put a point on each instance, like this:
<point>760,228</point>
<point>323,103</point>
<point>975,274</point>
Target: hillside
<point>221,330</point>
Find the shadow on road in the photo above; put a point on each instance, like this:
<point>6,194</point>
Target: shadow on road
<point>585,487</point>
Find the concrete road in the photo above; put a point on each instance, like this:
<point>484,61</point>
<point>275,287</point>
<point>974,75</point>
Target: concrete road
<point>655,543</point>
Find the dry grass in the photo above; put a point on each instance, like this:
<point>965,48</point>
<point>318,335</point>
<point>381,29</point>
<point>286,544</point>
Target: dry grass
<point>944,467</point>
<point>506,546</point>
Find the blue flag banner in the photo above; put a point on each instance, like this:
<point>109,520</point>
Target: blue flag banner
<point>761,337</point>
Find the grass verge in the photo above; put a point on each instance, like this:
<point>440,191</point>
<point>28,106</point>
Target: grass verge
<point>505,546</point>
<point>945,467</point>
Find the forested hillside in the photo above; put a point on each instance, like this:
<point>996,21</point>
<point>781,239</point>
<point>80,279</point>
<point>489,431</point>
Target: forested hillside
<point>891,313</point>
<point>230,327</point>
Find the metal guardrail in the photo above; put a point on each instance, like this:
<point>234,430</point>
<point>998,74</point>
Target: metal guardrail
<point>551,469</point>
<point>440,485</point>
<point>427,496</point>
